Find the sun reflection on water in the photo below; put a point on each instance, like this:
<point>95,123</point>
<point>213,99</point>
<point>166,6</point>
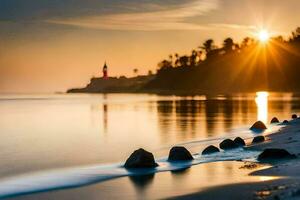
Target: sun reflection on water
<point>261,101</point>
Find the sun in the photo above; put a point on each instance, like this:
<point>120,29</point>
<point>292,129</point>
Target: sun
<point>263,36</point>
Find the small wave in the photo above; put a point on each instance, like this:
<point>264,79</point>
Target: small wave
<point>80,176</point>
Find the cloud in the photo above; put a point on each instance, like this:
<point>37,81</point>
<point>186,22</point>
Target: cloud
<point>175,18</point>
<point>233,26</point>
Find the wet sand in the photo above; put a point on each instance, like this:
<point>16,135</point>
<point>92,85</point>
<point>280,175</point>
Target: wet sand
<point>161,185</point>
<point>219,180</point>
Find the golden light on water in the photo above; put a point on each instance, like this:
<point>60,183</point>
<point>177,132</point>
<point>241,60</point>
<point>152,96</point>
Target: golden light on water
<point>261,101</point>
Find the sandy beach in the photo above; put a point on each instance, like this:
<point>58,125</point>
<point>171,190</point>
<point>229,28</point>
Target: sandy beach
<point>285,186</point>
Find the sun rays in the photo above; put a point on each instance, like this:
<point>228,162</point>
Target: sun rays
<point>262,55</point>
<point>263,58</point>
<point>263,36</point>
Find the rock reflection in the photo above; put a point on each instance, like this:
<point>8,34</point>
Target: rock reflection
<point>141,182</point>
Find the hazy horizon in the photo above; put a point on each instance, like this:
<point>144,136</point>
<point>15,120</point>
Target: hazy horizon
<point>52,46</point>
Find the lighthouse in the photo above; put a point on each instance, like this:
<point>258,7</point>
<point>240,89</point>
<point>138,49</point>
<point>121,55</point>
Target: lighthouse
<point>105,71</point>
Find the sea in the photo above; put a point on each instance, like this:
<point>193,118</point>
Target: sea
<point>53,142</point>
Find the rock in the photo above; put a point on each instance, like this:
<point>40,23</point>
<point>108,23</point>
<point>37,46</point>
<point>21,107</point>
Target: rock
<point>259,125</point>
<point>228,144</point>
<point>179,153</point>
<point>294,116</point>
<point>239,141</point>
<point>274,120</point>
<point>285,122</point>
<point>271,154</point>
<point>140,159</point>
<point>210,149</point>
<point>258,139</point>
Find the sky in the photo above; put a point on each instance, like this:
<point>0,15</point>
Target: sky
<point>52,45</point>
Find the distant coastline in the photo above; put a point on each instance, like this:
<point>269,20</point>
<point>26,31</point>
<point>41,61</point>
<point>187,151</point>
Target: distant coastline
<point>114,85</point>
<point>249,66</point>
<point>140,84</point>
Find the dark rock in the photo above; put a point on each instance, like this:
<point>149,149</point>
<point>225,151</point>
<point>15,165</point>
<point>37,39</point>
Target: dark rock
<point>258,139</point>
<point>274,120</point>
<point>271,154</point>
<point>239,141</point>
<point>259,125</point>
<point>179,153</point>
<point>294,116</point>
<point>228,144</point>
<point>210,149</point>
<point>285,122</point>
<point>140,159</point>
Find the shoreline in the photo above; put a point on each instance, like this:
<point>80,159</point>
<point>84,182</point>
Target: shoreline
<point>182,92</point>
<point>286,187</point>
<point>220,187</point>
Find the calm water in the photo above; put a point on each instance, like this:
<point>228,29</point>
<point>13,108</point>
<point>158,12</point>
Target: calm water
<point>44,132</point>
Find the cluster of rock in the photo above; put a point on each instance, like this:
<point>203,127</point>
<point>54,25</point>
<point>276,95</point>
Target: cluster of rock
<point>275,119</point>
<point>226,144</point>
<point>144,159</point>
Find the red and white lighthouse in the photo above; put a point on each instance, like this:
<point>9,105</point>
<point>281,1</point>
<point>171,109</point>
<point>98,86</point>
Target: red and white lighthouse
<point>105,71</point>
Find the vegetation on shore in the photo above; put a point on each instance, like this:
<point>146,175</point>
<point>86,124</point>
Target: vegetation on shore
<point>246,67</point>
<point>249,66</point>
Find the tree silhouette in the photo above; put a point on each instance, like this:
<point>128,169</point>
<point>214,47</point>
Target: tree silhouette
<point>233,67</point>
<point>249,67</point>
<point>208,46</point>
<point>135,71</point>
<point>246,42</point>
<point>176,60</point>
<point>171,58</point>
<point>165,64</point>
<point>296,35</point>
<point>228,45</point>
<point>193,58</point>
<point>184,61</point>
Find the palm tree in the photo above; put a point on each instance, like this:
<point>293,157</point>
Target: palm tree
<point>208,46</point>
<point>135,71</point>
<point>171,58</point>
<point>228,45</point>
<point>176,60</point>
<point>193,58</point>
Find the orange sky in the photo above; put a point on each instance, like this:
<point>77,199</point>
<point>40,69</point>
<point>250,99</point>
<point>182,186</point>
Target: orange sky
<point>47,48</point>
